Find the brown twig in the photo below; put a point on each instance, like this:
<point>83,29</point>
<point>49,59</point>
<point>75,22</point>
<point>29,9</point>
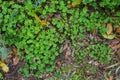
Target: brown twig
<point>111,66</point>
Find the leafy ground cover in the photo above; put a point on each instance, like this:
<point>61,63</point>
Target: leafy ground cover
<point>60,39</point>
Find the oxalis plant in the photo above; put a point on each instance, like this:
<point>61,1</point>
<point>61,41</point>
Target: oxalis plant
<point>35,44</point>
<point>26,24</point>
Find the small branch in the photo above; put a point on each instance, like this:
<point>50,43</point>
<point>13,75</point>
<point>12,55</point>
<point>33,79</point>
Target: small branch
<point>111,66</point>
<point>3,43</point>
<point>116,72</point>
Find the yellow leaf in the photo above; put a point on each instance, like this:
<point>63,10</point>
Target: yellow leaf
<point>118,30</point>
<point>37,18</point>
<point>110,29</point>
<point>76,3</point>
<point>4,66</point>
<point>43,22</point>
<point>111,36</point>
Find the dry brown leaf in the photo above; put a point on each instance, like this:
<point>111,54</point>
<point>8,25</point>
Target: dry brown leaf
<point>16,59</point>
<point>96,63</point>
<point>67,58</point>
<point>59,63</point>
<point>58,15</point>
<point>111,78</point>
<point>118,51</point>
<point>118,30</point>
<point>114,42</point>
<point>68,52</point>
<point>116,47</point>
<point>14,50</point>
<point>65,46</point>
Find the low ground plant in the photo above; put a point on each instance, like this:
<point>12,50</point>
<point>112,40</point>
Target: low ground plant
<point>38,28</point>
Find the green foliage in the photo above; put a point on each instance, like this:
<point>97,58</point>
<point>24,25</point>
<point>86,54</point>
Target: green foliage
<point>80,72</point>
<point>41,51</point>
<point>110,4</point>
<point>1,76</point>
<point>88,1</point>
<point>64,73</point>
<point>95,52</point>
<point>98,52</point>
<point>38,44</point>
